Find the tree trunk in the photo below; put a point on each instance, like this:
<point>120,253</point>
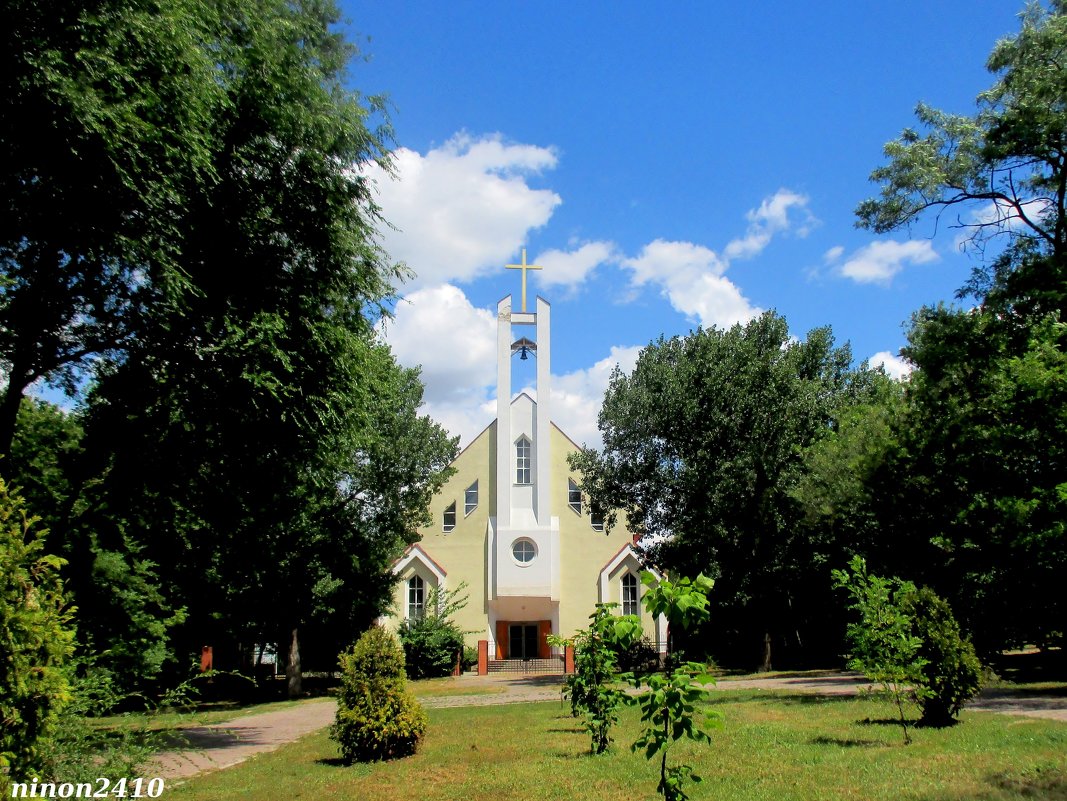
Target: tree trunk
<point>9,413</point>
<point>293,674</point>
<point>765,663</point>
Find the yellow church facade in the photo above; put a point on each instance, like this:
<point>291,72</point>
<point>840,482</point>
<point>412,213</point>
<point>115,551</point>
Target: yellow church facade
<point>511,527</point>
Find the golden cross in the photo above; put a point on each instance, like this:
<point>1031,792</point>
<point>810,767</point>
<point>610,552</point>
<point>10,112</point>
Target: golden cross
<point>524,267</point>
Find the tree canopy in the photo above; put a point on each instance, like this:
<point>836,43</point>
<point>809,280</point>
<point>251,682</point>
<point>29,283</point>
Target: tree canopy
<point>976,472</point>
<point>253,457</point>
<point>702,444</point>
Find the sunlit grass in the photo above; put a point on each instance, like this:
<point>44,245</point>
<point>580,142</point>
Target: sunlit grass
<point>772,746</point>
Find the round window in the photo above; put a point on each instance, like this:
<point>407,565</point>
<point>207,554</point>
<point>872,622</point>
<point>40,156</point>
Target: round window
<point>524,551</point>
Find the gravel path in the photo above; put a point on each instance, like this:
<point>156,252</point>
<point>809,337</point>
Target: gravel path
<point>224,744</point>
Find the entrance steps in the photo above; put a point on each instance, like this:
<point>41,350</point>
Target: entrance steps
<point>553,665</point>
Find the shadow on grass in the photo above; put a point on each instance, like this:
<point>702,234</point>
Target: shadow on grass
<point>912,724</point>
<point>1049,783</point>
<point>571,730</point>
<point>845,743</point>
<point>778,697</point>
<point>332,762</point>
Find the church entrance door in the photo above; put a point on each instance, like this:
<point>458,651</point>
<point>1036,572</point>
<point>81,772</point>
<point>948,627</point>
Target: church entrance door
<point>522,641</point>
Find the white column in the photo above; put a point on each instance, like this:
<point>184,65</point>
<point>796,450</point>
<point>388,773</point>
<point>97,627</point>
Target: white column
<point>503,414</point>
<point>543,433</point>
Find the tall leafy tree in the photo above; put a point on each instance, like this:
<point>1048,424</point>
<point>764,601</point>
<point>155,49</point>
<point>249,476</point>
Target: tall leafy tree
<point>981,474</point>
<point>1000,174</point>
<point>702,444</point>
<point>105,130</point>
<point>257,443</point>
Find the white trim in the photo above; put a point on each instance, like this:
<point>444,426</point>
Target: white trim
<point>416,554</point>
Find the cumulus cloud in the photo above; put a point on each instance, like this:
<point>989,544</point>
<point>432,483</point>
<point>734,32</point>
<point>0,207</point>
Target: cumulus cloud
<point>577,396</point>
<point>894,366</point>
<point>455,343</point>
<point>438,328</point>
<point>783,211</point>
<point>464,208</point>
<point>691,277</point>
<point>569,268</point>
<point>879,262</point>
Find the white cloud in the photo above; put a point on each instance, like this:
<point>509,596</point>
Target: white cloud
<point>568,268</point>
<point>577,396</point>
<point>692,279</point>
<point>464,208</point>
<point>438,328</point>
<point>833,254</point>
<point>878,262</point>
<point>772,217</point>
<point>895,366</point>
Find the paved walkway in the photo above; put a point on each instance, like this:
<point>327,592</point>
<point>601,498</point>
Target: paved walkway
<point>224,744</point>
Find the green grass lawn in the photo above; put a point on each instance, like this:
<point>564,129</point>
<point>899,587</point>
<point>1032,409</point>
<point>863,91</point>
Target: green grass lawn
<point>447,687</point>
<point>773,746</point>
<point>202,715</point>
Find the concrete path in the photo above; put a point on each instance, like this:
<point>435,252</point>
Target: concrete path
<point>224,744</point>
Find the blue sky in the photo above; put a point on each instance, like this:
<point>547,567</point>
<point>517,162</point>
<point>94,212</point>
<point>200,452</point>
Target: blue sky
<point>670,164</point>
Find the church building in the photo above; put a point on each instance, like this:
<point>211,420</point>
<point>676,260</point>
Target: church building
<point>511,524</point>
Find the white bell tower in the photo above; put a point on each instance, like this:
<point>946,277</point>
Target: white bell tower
<point>523,542</point>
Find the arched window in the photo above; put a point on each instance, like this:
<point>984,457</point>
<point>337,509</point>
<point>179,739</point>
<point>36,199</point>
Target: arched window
<point>522,460</point>
<point>416,598</point>
<point>629,594</point>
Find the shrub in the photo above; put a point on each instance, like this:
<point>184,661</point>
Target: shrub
<point>431,645</point>
<point>951,673</point>
<point>908,641</point>
<point>470,657</point>
<point>639,657</point>
<point>36,641</point>
<point>377,716</point>
<point>433,642</point>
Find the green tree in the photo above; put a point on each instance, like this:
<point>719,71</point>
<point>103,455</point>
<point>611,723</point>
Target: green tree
<point>883,646</point>
<point>594,687</point>
<point>258,443</point>
<point>105,126</point>
<point>907,640</point>
<point>978,480</point>
<point>702,443</point>
<point>36,641</point>
<point>668,701</point>
<point>378,718</point>
<point>1001,172</point>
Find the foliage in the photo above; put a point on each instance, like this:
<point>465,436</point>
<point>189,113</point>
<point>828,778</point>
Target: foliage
<point>258,448</point>
<point>108,115</point>
<point>702,443</point>
<point>433,641</point>
<point>1000,172</point>
<point>884,646</point>
<point>36,641</point>
<point>908,640</point>
<point>377,716</point>
<point>974,493</point>
<point>640,657</point>
<point>592,688</point>
<point>982,471</point>
<point>669,701</point>
<point>80,749</point>
<point>951,673</point>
